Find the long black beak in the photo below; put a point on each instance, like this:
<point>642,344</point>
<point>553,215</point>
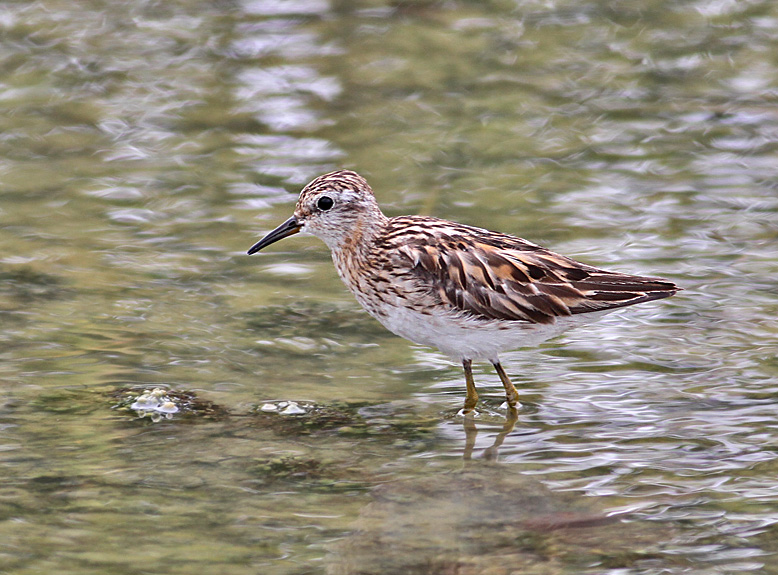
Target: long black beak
<point>288,228</point>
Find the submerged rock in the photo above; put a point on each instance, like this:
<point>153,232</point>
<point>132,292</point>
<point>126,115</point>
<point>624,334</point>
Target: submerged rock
<point>394,422</point>
<point>488,520</point>
<point>158,403</point>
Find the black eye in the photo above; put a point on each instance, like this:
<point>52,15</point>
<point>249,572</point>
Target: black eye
<point>324,203</point>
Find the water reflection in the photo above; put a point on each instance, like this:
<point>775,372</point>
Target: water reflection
<point>471,433</point>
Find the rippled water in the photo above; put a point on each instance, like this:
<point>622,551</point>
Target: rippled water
<point>144,146</point>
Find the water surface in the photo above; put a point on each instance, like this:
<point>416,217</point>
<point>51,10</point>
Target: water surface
<point>145,146</point>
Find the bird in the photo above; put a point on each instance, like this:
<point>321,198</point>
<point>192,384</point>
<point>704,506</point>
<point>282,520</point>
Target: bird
<point>470,292</point>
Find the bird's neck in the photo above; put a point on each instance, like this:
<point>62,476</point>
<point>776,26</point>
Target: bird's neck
<point>352,250</point>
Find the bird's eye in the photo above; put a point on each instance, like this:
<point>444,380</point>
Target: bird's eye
<point>324,203</point>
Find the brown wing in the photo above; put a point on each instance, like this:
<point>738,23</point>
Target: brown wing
<point>496,276</point>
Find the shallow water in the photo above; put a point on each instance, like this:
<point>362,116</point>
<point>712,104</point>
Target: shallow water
<point>145,146</point>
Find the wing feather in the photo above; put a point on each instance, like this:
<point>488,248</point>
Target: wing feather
<point>496,276</point>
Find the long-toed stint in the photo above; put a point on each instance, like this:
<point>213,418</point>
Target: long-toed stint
<point>470,292</point>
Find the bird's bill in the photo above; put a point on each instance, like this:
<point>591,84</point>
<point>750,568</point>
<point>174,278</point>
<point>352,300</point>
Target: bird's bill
<point>288,228</point>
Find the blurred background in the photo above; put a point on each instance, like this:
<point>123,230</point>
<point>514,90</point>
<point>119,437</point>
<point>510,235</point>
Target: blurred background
<point>146,145</point>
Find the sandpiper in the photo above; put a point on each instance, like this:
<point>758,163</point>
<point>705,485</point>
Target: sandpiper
<point>470,292</point>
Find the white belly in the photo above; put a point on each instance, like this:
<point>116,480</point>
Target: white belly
<point>468,338</point>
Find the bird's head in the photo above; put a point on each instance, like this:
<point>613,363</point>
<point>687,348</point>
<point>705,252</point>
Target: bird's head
<point>338,208</point>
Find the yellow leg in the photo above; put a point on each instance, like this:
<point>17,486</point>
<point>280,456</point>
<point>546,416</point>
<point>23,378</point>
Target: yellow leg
<point>511,395</point>
<point>472,396</point>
